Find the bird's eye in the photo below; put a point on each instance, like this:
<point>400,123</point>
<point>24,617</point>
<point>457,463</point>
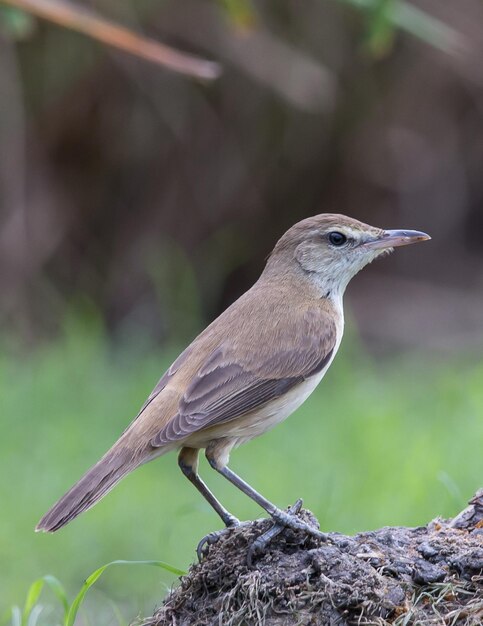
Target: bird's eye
<point>337,239</point>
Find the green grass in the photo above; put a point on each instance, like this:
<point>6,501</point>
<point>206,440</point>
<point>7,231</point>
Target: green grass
<point>32,609</point>
<point>377,444</point>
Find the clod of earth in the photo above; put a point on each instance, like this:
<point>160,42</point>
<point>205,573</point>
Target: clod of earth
<point>431,576</point>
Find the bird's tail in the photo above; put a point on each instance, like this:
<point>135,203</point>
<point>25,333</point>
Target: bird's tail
<point>94,485</point>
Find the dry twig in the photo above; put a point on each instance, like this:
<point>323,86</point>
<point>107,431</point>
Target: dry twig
<point>87,22</point>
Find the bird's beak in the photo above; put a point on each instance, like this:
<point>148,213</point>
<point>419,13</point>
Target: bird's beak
<point>395,238</point>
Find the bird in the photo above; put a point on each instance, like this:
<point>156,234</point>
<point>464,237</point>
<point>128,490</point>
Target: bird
<point>250,369</point>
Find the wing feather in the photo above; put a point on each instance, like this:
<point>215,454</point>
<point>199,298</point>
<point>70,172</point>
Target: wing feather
<point>231,382</point>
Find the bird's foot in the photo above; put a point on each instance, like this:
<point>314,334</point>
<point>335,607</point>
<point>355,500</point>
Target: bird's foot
<point>289,519</point>
<point>262,541</point>
<point>211,538</point>
<point>282,520</point>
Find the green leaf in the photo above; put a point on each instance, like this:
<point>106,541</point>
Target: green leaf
<point>415,21</point>
<point>58,589</point>
<point>32,596</point>
<point>381,29</point>
<point>35,590</point>
<point>90,580</point>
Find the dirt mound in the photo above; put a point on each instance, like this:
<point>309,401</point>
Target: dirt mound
<point>430,575</point>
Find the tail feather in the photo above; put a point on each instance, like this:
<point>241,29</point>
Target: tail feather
<point>98,481</point>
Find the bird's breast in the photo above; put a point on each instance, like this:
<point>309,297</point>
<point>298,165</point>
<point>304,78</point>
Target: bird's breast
<point>268,416</point>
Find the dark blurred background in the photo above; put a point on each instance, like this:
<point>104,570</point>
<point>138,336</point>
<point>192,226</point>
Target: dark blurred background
<point>155,198</point>
<point>136,203</point>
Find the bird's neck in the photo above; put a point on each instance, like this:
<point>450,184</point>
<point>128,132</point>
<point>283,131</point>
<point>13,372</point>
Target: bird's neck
<point>329,289</point>
<point>302,285</point>
<point>333,295</point>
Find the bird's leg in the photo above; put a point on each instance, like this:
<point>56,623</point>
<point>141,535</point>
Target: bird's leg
<point>218,459</point>
<point>188,463</point>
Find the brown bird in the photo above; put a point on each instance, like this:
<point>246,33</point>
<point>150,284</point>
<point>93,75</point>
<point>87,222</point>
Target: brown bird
<point>249,369</point>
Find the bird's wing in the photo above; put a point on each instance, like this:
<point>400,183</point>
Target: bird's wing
<point>236,379</point>
<point>165,378</point>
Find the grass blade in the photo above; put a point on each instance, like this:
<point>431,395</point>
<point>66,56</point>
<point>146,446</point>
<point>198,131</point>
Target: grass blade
<point>34,593</point>
<point>415,21</point>
<point>90,580</point>
<point>34,615</point>
<point>16,616</point>
<point>58,590</point>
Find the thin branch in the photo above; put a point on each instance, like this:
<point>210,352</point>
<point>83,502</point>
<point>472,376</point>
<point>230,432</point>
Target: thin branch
<point>87,22</point>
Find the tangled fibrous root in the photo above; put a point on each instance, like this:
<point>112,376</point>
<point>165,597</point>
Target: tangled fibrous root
<point>431,576</point>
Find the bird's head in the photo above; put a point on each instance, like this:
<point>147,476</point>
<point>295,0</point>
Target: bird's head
<point>330,249</point>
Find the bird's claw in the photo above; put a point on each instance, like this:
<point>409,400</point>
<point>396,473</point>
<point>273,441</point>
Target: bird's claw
<point>284,519</point>
<point>212,538</point>
<point>206,541</point>
<point>289,519</point>
<point>263,540</point>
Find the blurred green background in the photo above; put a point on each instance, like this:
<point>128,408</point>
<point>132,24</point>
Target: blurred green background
<point>136,204</point>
